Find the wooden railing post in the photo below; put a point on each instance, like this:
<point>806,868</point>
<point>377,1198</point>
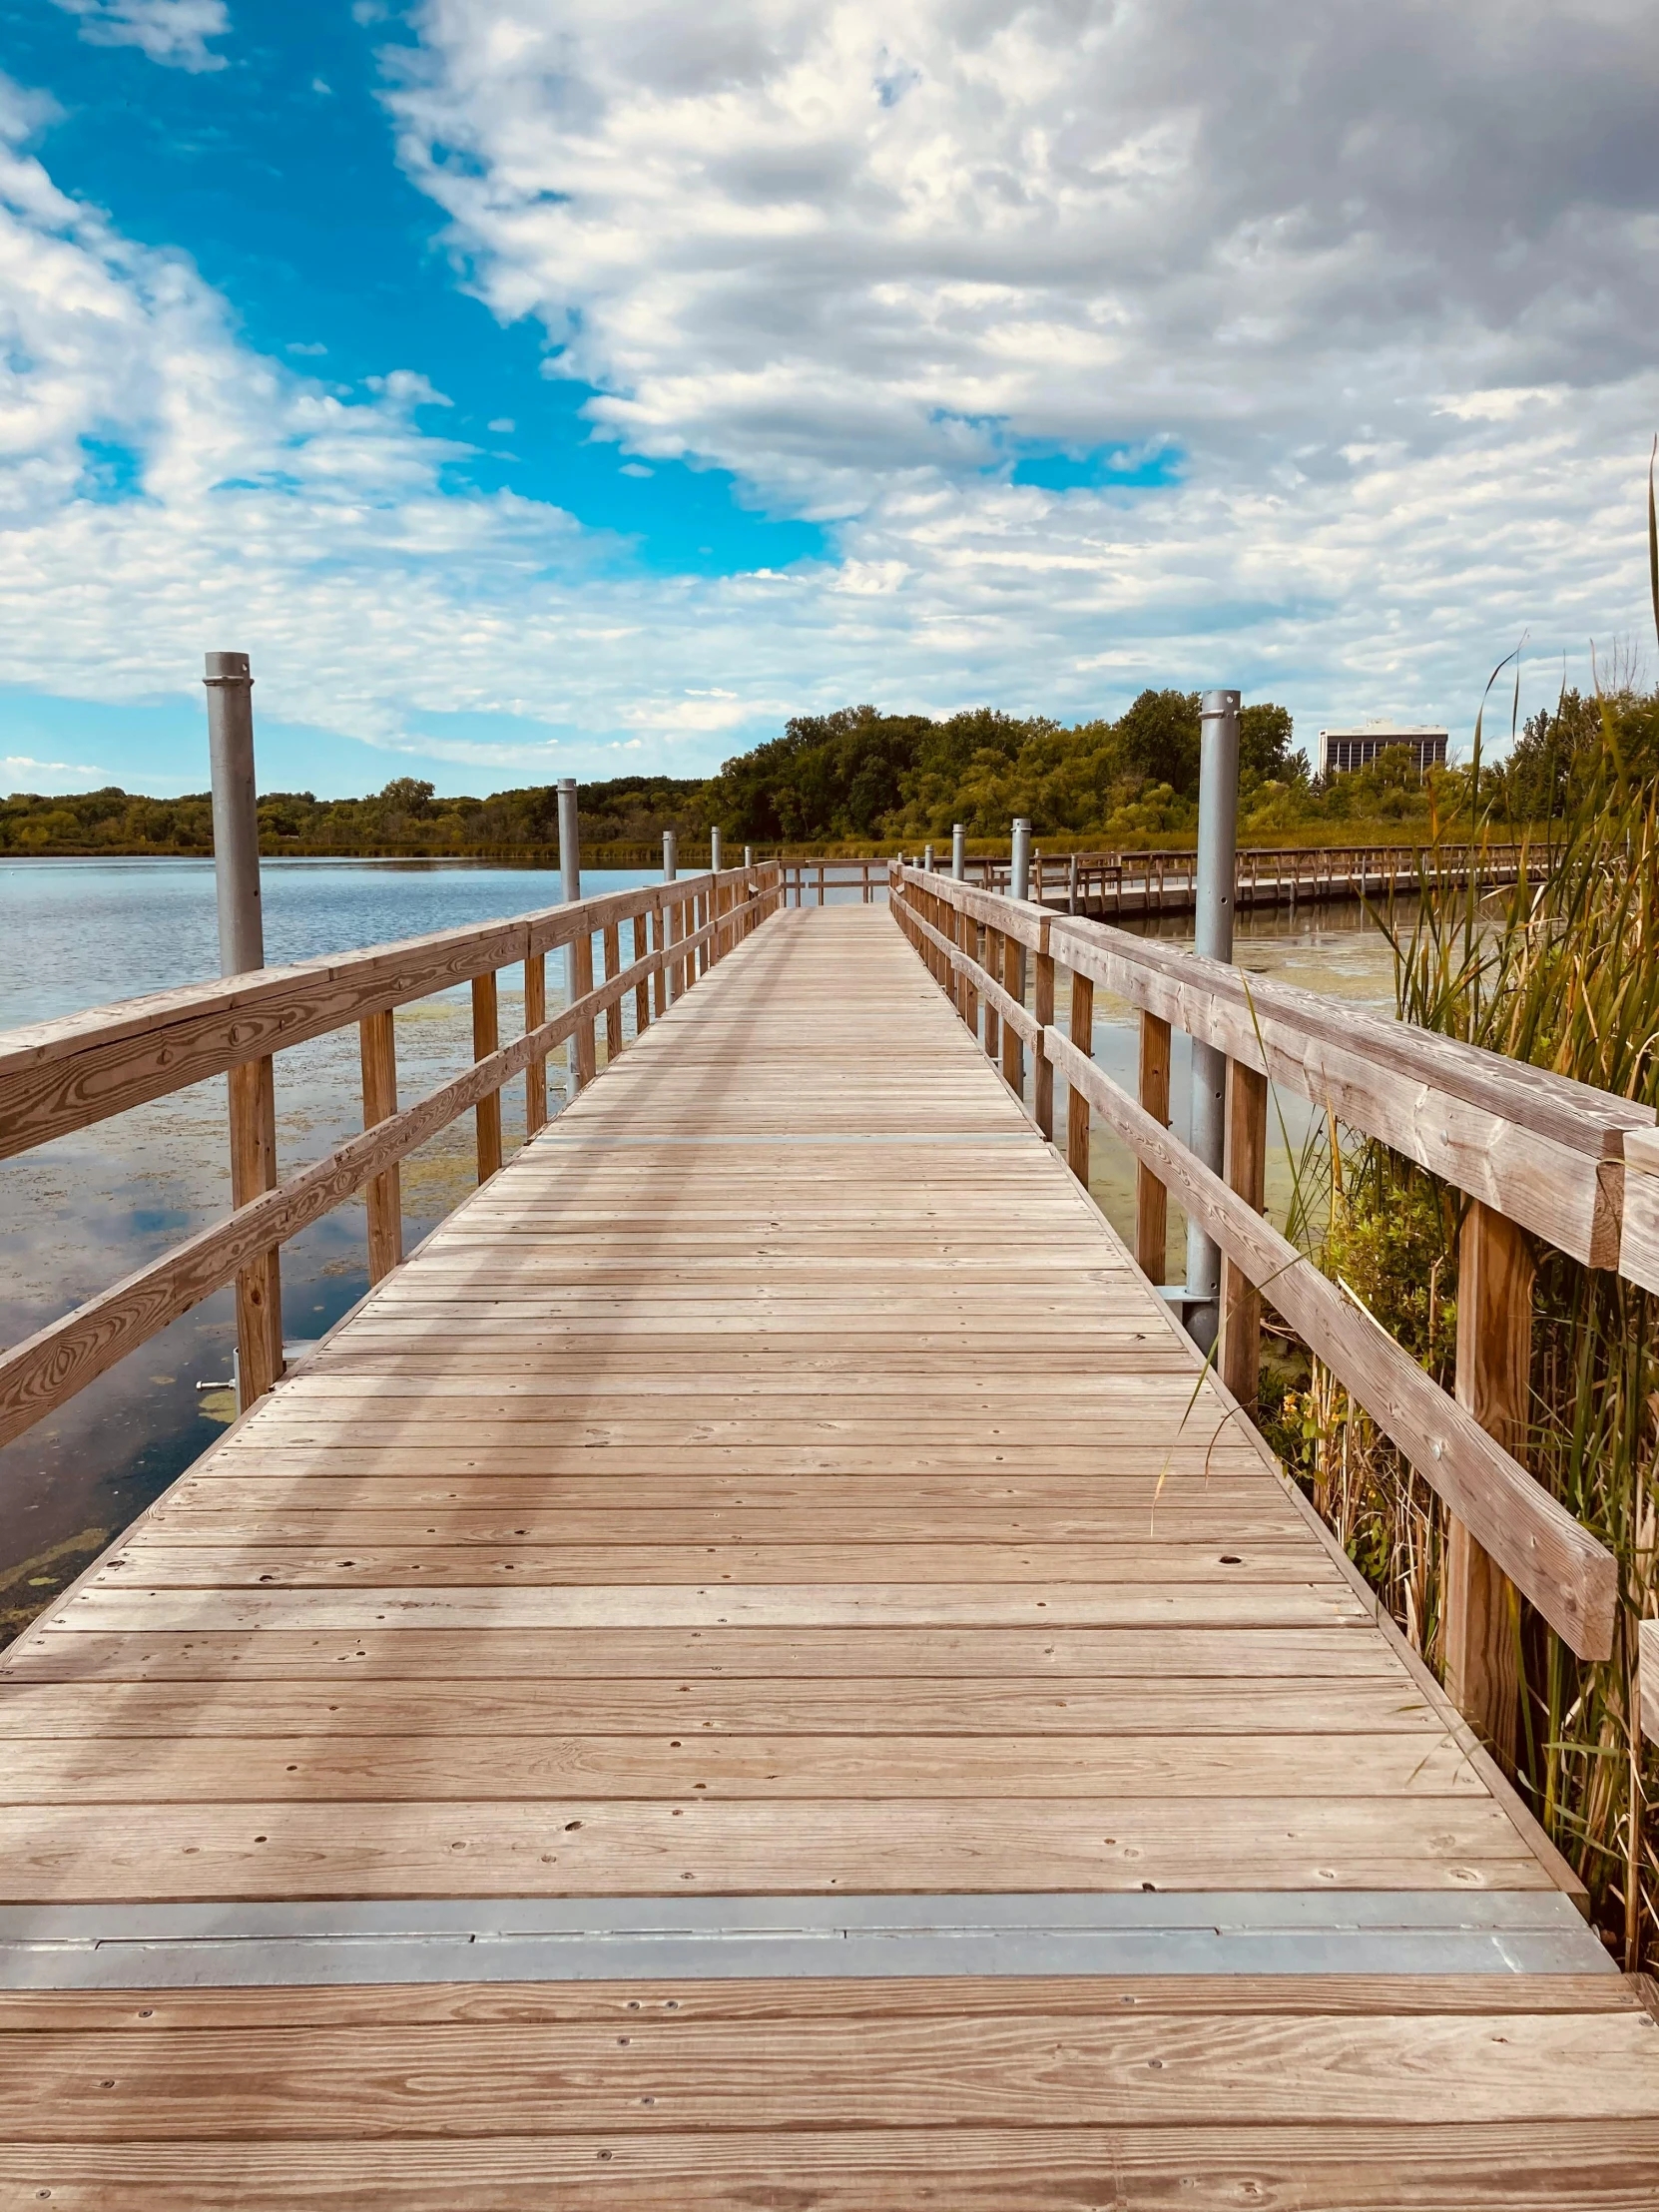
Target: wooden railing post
<point>1239,1356</point>
<point>990,959</point>
<point>377,1053</point>
<point>253,1093</point>
<point>535,1013</point>
<point>1151,1198</point>
<point>1479,1609</point>
<point>1042,1073</point>
<point>613,969</point>
<point>1080,1029</point>
<point>584,1053</point>
<point>486,1038</point>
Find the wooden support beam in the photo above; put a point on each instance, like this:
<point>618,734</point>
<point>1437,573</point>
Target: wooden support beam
<point>1480,1626</point>
<point>252,1099</point>
<point>1013,982</point>
<point>535,1013</point>
<point>613,969</point>
<point>487,1039</point>
<point>1042,1073</point>
<point>990,959</point>
<point>583,1055</point>
<point>1151,1198</point>
<point>1239,1352</point>
<point>377,1052</point>
<point>1080,1024</point>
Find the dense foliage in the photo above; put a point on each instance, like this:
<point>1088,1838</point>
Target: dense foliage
<point>858,777</point>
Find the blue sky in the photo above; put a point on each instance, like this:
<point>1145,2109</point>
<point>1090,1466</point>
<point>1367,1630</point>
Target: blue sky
<point>538,386</point>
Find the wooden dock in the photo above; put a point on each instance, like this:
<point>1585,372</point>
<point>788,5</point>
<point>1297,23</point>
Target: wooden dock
<point>755,1669</point>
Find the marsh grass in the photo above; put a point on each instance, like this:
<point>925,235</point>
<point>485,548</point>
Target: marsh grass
<point>1560,971</point>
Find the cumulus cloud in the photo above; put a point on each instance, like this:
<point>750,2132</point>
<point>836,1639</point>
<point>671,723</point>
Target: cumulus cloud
<point>173,32</point>
<point>1376,287</point>
<point>1383,279</point>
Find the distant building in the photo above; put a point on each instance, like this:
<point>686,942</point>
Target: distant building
<point>1341,751</point>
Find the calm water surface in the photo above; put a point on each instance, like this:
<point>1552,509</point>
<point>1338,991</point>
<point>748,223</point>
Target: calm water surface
<point>77,1215</point>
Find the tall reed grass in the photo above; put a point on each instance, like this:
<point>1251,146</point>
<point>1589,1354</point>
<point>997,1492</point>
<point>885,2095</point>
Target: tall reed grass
<point>1560,971</point>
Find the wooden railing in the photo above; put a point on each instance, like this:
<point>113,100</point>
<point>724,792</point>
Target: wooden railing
<point>805,882</point>
<point>1532,1150</point>
<point>64,1075</point>
<point>1118,883</point>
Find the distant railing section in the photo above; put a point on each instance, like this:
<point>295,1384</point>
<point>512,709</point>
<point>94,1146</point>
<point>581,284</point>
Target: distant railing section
<point>60,1076</point>
<point>1533,1151</point>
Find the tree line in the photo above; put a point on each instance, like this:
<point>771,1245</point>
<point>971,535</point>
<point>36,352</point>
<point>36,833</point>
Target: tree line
<point>860,777</point>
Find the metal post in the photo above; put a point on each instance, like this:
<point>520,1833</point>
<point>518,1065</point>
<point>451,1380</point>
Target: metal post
<point>959,853</point>
<point>927,859</point>
<point>1215,886</point>
<point>230,688</point>
<point>251,1083</point>
<point>748,855</point>
<point>670,856</point>
<point>1019,868</point>
<point>714,850</point>
<point>570,842</point>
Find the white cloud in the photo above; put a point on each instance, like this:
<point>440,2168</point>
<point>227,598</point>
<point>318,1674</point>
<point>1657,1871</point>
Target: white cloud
<point>173,32</point>
<point>1385,280</point>
<point>24,764</point>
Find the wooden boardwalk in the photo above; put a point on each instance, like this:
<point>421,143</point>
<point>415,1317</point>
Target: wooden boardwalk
<point>755,1669</point>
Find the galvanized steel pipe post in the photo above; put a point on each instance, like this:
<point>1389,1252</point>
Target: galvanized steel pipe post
<point>959,853</point>
<point>570,841</point>
<point>1217,846</point>
<point>229,687</point>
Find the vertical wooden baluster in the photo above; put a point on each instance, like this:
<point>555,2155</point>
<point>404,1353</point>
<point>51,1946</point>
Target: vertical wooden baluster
<point>1043,1068</point>
<point>967,939</point>
<point>1239,1353</point>
<point>377,1055</point>
<point>658,920</point>
<point>1494,1367</point>
<point>613,969</point>
<point>639,945</point>
<point>486,1038</point>
<point>1151,1198</point>
<point>584,1058</point>
<point>252,1096</point>
<point>1080,1029</point>
<point>1013,982</point>
<point>535,1013</point>
<point>990,959</point>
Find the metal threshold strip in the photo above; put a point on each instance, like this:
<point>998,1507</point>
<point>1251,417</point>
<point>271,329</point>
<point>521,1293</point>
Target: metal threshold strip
<point>243,1945</point>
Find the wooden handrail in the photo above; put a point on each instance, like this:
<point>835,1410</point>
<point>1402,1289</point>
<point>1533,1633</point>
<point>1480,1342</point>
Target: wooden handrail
<point>59,1076</point>
<point>45,1370</point>
<point>1558,1567</point>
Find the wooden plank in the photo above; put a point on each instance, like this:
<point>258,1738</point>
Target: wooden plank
<point>582,1847</point>
<point>1639,1226</point>
<point>535,1013</point>
<point>943,1706</point>
<point>1570,1576</point>
<point>151,1559</point>
<point>54,1651</point>
<point>870,1766</point>
<point>1648,1663</point>
<point>1456,2166</point>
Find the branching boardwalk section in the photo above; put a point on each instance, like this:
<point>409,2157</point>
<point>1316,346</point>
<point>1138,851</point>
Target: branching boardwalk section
<point>773,1513</point>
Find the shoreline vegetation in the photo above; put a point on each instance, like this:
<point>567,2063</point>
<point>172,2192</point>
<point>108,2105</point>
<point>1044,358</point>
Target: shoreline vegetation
<point>1559,971</point>
<point>860,782</point>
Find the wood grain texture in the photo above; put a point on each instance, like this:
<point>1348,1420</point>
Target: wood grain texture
<point>378,1058</point>
<point>1239,1351</point>
<point>761,1485</point>
<point>1151,1198</point>
<point>1541,1149</point>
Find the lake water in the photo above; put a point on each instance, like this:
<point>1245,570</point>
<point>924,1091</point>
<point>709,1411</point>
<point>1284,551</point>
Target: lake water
<point>77,1215</point>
